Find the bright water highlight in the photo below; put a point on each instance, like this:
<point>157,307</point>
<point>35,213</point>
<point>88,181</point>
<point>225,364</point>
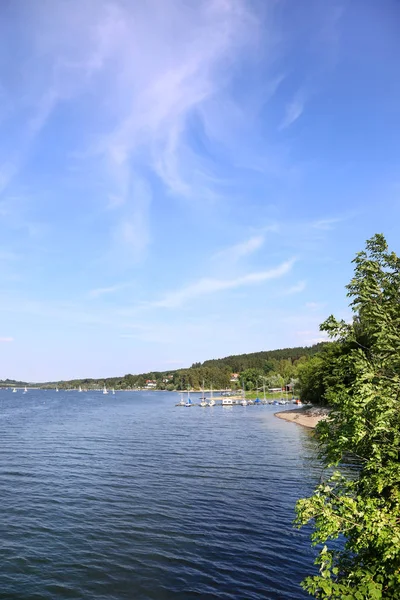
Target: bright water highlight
<point>129,497</point>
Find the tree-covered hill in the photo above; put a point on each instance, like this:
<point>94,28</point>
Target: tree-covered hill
<point>5,383</point>
<point>275,368</point>
<point>258,360</point>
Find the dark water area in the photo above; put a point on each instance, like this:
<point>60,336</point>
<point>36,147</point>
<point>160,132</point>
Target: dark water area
<point>129,497</point>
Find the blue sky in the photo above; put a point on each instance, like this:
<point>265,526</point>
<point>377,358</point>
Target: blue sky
<point>187,180</point>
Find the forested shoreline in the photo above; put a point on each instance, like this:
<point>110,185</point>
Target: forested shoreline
<point>272,368</point>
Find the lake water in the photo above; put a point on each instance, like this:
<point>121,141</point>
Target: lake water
<point>129,497</point>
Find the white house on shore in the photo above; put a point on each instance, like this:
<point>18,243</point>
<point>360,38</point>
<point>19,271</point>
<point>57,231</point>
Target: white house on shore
<point>151,383</point>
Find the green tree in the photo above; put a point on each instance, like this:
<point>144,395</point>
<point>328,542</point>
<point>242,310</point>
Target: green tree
<point>316,374</point>
<point>250,378</point>
<point>364,507</point>
<point>274,380</point>
<point>269,366</point>
<point>285,369</point>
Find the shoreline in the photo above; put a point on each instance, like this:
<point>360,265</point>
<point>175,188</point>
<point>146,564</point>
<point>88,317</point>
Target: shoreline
<point>305,416</point>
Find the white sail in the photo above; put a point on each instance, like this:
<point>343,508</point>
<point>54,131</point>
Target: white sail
<point>244,401</point>
<point>105,390</point>
<point>212,401</point>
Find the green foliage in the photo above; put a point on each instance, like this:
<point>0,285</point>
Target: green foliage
<point>275,367</point>
<point>275,380</point>
<point>318,373</point>
<point>251,378</point>
<point>363,390</point>
<point>265,361</point>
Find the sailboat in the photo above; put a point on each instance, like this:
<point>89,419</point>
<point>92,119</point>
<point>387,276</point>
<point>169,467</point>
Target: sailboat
<point>203,402</point>
<point>181,402</point>
<point>212,401</point>
<point>244,401</point>
<point>80,389</point>
<point>56,389</point>
<point>113,392</point>
<point>25,390</point>
<point>14,390</point>
<point>105,389</point>
<point>188,401</point>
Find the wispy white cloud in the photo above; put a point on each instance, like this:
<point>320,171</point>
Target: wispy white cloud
<point>96,293</point>
<point>158,90</point>
<point>241,249</point>
<point>327,224</point>
<point>297,288</point>
<point>210,286</point>
<point>294,110</point>
<point>131,234</point>
<point>6,339</point>
<point>314,305</point>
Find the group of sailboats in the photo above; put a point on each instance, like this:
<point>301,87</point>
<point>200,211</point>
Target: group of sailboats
<point>105,390</point>
<point>203,399</point>
<point>245,402</point>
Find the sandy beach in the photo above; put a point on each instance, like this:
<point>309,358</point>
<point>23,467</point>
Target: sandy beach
<point>306,416</point>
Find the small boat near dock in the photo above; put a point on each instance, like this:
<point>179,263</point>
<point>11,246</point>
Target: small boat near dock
<point>188,401</point>
<point>181,402</point>
<point>203,402</point>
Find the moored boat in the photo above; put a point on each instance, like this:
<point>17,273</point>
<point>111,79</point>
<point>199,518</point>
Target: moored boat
<point>244,402</point>
<point>188,401</point>
<point>212,401</point>
<point>203,402</point>
<point>181,402</point>
<point>227,402</point>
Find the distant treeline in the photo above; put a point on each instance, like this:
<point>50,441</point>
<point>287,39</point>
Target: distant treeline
<point>262,360</point>
<point>273,368</point>
<point>12,383</point>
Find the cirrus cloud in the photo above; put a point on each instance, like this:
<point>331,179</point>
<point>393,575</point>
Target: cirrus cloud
<point>207,286</point>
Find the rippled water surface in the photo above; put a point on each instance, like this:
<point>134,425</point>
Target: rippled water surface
<point>129,497</point>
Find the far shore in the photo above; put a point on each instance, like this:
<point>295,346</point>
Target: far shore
<point>307,416</point>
